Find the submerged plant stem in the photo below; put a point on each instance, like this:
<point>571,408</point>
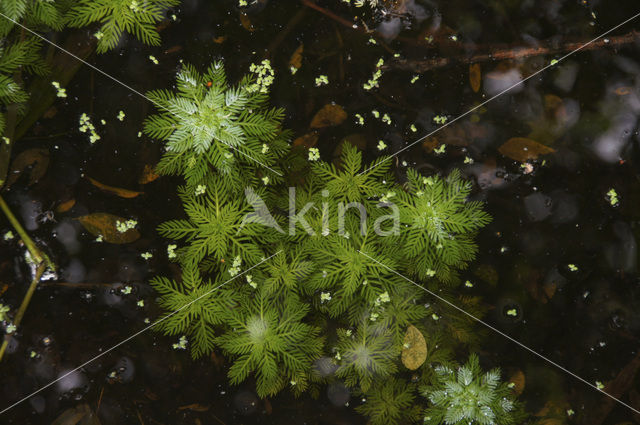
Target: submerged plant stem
<point>37,255</point>
<point>25,302</point>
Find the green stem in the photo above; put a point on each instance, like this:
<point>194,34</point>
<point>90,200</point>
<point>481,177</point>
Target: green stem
<point>36,254</point>
<point>25,303</point>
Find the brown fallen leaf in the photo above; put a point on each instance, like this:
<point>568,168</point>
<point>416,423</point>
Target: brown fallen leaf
<point>414,351</point>
<point>36,158</point>
<point>174,49</point>
<point>148,175</point>
<point>220,39</point>
<point>329,115</point>
<point>105,225</point>
<point>194,407</point>
<point>475,76</point>
<point>309,140</point>
<point>79,415</point>
<point>623,91</point>
<point>65,206</point>
<point>522,149</point>
<point>246,22</point>
<point>296,58</point>
<point>123,193</point>
<point>518,380</point>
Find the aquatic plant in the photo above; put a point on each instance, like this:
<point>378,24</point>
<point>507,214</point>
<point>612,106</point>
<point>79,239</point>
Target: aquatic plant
<point>209,123</point>
<point>333,245</point>
<point>469,396</point>
<point>117,16</point>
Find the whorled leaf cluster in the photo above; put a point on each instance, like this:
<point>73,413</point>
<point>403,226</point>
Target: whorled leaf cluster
<point>306,284</point>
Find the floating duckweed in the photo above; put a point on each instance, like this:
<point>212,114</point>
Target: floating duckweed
<point>251,282</point>
<point>381,145</point>
<point>468,284</point>
<point>359,119</point>
<point>374,80</point>
<point>314,154</point>
<point>435,316</point>
<point>440,119</point>
<point>553,62</point>
<point>235,267</point>
<point>373,317</point>
<point>121,116</point>
<point>265,76</point>
<point>126,225</point>
<point>87,126</point>
<point>171,251</point>
<point>599,385</point>
<point>570,412</point>
<point>265,180</point>
<point>140,303</point>
<point>6,140</point>
<point>103,122</point>
<point>100,238</point>
<point>8,235</point>
<point>325,296</point>
<point>293,70</point>
<point>60,91</point>
<point>431,272</point>
<point>11,328</point>
<point>413,128</point>
<point>200,189</point>
<point>414,79</point>
<point>386,119</point>
<point>126,290</point>
<point>265,148</point>
<point>441,149</point>
<point>4,309</point>
<point>146,255</point>
<point>454,37</point>
<point>153,59</point>
<point>372,40</point>
<point>322,80</point>
<point>182,343</point>
<point>384,297</point>
<point>375,113</point>
<point>572,267</point>
<point>468,160</point>
<point>612,196</point>
<point>98,35</point>
<point>512,312</point>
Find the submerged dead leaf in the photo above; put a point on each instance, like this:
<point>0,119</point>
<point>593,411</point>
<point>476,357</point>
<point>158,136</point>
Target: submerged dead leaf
<point>309,140</point>
<point>623,91</point>
<point>79,415</point>
<point>518,380</point>
<point>296,58</point>
<point>475,76</point>
<point>329,115</point>
<point>105,225</point>
<point>123,193</point>
<point>195,407</point>
<point>246,22</point>
<point>36,158</point>
<point>65,206</point>
<point>522,149</point>
<point>414,351</point>
<point>148,175</point>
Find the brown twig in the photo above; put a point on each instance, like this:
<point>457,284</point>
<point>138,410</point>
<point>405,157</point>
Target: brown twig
<point>23,306</point>
<point>514,53</point>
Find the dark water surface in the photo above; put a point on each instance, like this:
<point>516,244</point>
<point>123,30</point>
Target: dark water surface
<point>546,219</point>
